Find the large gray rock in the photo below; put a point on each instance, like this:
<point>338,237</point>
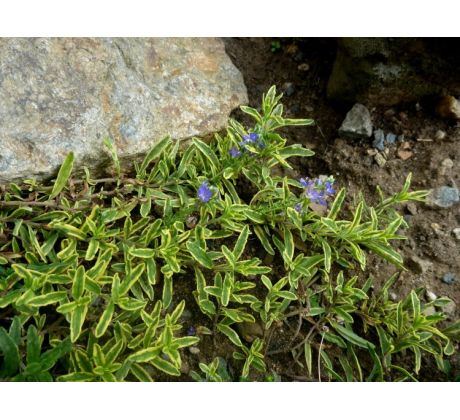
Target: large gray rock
<point>61,94</point>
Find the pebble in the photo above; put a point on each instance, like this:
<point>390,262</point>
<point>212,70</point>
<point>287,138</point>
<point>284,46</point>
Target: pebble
<point>437,229</point>
<point>357,123</point>
<point>404,154</point>
<point>443,197</point>
<point>446,165</point>
<point>401,138</point>
<point>393,296</point>
<point>303,67</point>
<point>191,221</point>
<point>448,107</point>
<point>371,152</point>
<point>309,108</point>
<point>391,138</point>
<point>450,308</point>
<point>428,311</point>
<point>412,208</point>
<point>456,233</point>
<point>194,350</point>
<point>389,113</point>
<point>440,135</point>
<point>448,278</point>
<point>403,116</point>
<point>430,295</point>
<point>380,160</point>
<point>419,265</point>
<point>288,88</point>
<point>379,140</point>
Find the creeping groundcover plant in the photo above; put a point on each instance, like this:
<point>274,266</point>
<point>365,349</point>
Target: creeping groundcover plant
<point>121,278</point>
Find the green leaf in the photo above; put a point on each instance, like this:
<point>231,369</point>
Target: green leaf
<point>208,153</point>
<point>142,252</point>
<point>327,256</point>
<point>227,289</point>
<point>295,150</point>
<point>10,352</point>
<point>140,373</point>
<point>241,243</point>
<point>131,279</point>
<point>263,238</point>
<point>165,366</point>
<point>105,320</point>
<point>63,175</point>
<point>154,153</point>
<point>385,251</point>
<point>33,345</point>
<point>78,286</point>
<point>199,254</point>
<point>77,318</point>
<point>230,333</point>
<point>350,336</point>
<point>47,299</point>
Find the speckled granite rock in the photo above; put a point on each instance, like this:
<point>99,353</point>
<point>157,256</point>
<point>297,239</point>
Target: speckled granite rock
<point>63,94</point>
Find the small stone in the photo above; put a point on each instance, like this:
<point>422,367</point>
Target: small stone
<point>456,233</point>
<point>194,350</point>
<point>448,107</point>
<point>318,209</point>
<point>437,229</point>
<point>389,113</point>
<point>412,208</point>
<point>371,152</point>
<point>357,123</point>
<point>404,154</point>
<point>391,138</point>
<point>288,88</point>
<point>403,116</point>
<point>443,197</point>
<point>250,330</point>
<point>448,278</point>
<point>401,138</point>
<point>191,221</point>
<point>446,165</point>
<point>184,367</point>
<point>418,265</point>
<point>430,295</point>
<point>309,108</point>
<point>393,296</point>
<point>379,140</point>
<point>429,310</point>
<point>303,67</point>
<point>426,140</point>
<point>380,160</point>
<point>440,135</point>
<point>450,309</point>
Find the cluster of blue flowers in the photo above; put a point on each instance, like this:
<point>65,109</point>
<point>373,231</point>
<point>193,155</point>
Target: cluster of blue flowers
<point>248,139</point>
<point>316,190</point>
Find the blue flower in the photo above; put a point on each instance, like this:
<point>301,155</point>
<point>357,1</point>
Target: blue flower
<point>253,136</point>
<point>298,208</point>
<point>204,193</point>
<point>304,182</point>
<point>234,152</point>
<point>329,188</point>
<point>191,330</point>
<point>318,190</point>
